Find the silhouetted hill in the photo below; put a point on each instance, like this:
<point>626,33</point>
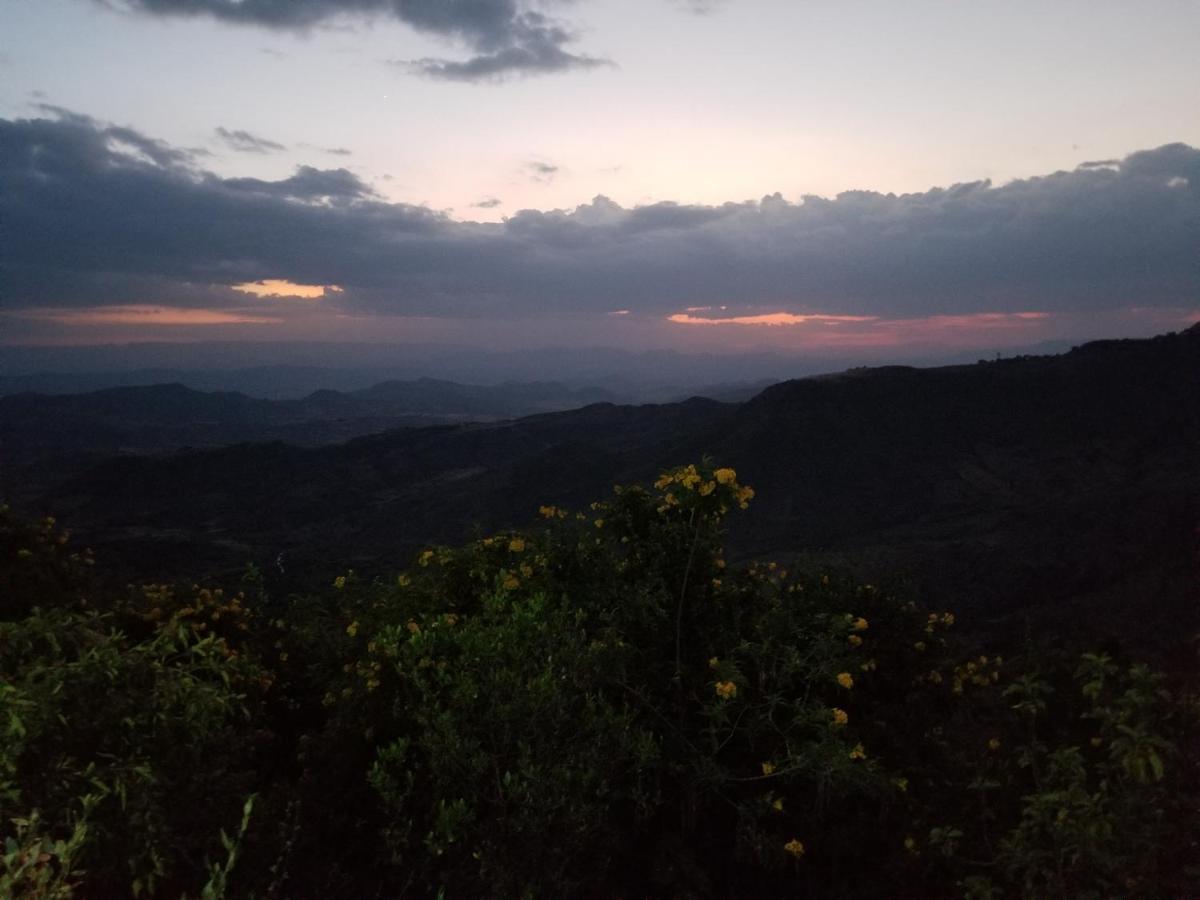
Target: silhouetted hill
<point>1063,487</point>
<point>163,416</point>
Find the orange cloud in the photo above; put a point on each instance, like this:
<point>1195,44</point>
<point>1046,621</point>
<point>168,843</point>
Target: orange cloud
<point>769,319</point>
<point>847,332</point>
<point>279,287</point>
<point>137,314</point>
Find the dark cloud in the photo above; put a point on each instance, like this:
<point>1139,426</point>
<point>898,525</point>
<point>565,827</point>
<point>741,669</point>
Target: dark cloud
<point>245,142</point>
<point>100,214</point>
<point>332,151</point>
<point>308,184</point>
<point>122,143</point>
<point>506,37</point>
<point>487,203</point>
<point>541,171</point>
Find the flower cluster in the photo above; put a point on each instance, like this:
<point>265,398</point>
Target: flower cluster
<point>684,486</point>
<point>794,847</point>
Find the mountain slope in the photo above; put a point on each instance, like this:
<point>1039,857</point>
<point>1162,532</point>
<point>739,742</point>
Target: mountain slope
<point>1047,484</point>
<point>165,416</point>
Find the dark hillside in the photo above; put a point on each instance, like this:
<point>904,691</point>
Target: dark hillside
<point>1065,485</point>
<point>1020,483</point>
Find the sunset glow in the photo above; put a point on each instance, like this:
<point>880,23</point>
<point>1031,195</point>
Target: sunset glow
<point>768,319</point>
<point>278,287</point>
<point>146,315</point>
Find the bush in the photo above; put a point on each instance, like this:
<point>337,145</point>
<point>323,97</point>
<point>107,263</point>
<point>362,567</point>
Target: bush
<point>596,705</point>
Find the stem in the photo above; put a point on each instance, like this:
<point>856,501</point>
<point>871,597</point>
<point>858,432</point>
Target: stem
<point>682,594</point>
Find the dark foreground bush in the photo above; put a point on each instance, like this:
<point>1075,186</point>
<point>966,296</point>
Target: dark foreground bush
<point>596,706</point>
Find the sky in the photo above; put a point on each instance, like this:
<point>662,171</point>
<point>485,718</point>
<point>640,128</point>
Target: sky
<point>693,174</point>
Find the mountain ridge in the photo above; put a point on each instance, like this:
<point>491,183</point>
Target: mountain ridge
<point>1054,483</point>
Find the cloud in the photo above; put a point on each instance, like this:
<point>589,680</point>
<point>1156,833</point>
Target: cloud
<point>506,36</point>
<point>700,7</point>
<point>332,151</point>
<point>487,203</point>
<point>99,215</point>
<point>245,142</point>
<point>142,314</point>
<point>542,172</point>
<point>308,184</point>
<point>533,45</point>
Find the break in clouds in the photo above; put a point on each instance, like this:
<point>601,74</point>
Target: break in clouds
<point>506,37</point>
<point>97,214</point>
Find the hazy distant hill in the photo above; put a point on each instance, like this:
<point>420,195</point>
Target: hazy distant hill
<point>294,369</point>
<point>1064,485</point>
<point>154,417</point>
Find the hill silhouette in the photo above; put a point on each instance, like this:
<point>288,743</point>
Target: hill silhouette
<point>166,416</point>
<point>1063,488</point>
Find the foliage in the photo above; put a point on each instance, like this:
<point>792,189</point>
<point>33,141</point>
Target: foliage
<point>600,704</point>
<point>140,715</point>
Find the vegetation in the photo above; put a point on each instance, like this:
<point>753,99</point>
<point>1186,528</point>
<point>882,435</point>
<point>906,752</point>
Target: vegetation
<point>597,705</point>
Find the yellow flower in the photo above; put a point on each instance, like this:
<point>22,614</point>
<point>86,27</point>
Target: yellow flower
<point>948,618</point>
<point>713,662</point>
<point>663,480</point>
<point>352,629</point>
<point>426,557</point>
<point>854,640</point>
<point>707,488</point>
<point>413,627</point>
<point>901,784</point>
<point>910,844</point>
<point>860,624</point>
<point>725,476</point>
<point>768,768</point>
<point>526,570</point>
<point>858,752</point>
<point>403,581</point>
<point>794,847</point>
<point>839,717</point>
<point>726,690</point>
<point>599,523</point>
<point>845,679</point>
<point>517,545</point>
<point>777,804</point>
<point>339,582</point>
<point>511,582</point>
<point>994,744</point>
<point>744,496</point>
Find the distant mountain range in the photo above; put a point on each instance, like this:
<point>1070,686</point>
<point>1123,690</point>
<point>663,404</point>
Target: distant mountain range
<point>1033,492</point>
<point>289,371</point>
<point>155,417</point>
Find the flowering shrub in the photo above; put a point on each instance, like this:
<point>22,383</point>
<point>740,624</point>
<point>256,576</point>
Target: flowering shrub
<point>600,704</point>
